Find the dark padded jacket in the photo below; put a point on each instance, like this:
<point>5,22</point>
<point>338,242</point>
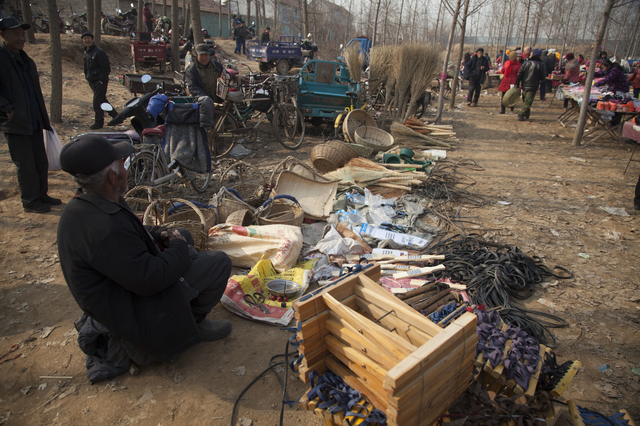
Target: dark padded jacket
<point>119,277</point>
<point>531,74</point>
<point>13,97</point>
<point>472,68</point>
<point>194,81</point>
<point>96,65</point>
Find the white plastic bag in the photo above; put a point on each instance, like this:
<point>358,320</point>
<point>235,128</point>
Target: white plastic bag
<point>53,146</point>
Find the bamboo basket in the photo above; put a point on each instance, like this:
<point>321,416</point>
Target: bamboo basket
<point>186,213</point>
<point>277,211</point>
<point>326,158</point>
<point>240,218</point>
<point>227,201</point>
<point>374,138</point>
<point>198,229</point>
<point>251,193</point>
<point>354,120</point>
<point>139,197</point>
<point>344,148</point>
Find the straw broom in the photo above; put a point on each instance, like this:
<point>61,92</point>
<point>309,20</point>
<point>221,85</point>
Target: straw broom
<point>380,66</point>
<point>426,70</point>
<point>354,63</point>
<point>407,66</point>
<point>402,132</point>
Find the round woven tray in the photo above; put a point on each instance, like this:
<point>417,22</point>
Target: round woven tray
<point>279,211</point>
<point>226,202</point>
<point>355,119</point>
<point>197,229</point>
<point>374,138</point>
<point>326,158</point>
<point>344,148</point>
<point>363,151</point>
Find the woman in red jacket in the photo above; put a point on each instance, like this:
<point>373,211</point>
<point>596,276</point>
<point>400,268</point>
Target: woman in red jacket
<point>634,80</point>
<point>510,72</point>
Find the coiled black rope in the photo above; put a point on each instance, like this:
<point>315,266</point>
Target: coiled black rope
<point>498,277</point>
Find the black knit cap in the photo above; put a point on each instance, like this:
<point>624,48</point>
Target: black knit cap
<point>90,153</point>
<point>86,33</point>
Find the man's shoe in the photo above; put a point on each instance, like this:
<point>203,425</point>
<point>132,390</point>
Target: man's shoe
<point>96,126</point>
<point>521,118</point>
<point>636,206</point>
<point>50,200</point>
<point>211,330</point>
<point>475,104</point>
<point>36,207</point>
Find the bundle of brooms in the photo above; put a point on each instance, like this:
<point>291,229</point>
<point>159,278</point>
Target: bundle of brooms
<point>366,173</point>
<point>406,135</point>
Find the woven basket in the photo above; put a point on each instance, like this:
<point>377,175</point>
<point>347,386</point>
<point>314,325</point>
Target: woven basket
<point>139,197</point>
<point>374,138</point>
<point>278,211</point>
<point>326,158</point>
<point>363,151</point>
<point>186,213</point>
<point>240,218</point>
<point>228,201</point>
<point>355,119</point>
<point>344,148</point>
<point>253,194</point>
<point>198,229</point>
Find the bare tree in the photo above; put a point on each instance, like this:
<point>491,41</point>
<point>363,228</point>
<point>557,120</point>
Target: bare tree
<point>97,20</point>
<point>141,26</point>
<point>196,23</point>
<point>526,23</point>
<point>458,60</point>
<point>582,120</point>
<point>399,23</point>
<point>26,16</point>
<point>305,18</point>
<point>443,75</point>
<point>90,18</point>
<point>175,39</point>
<point>55,104</point>
<point>187,17</point>
<point>164,8</point>
<point>220,19</point>
<point>375,25</point>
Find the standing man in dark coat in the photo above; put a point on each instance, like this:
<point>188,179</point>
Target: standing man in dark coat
<point>96,71</point>
<point>23,117</point>
<point>475,71</point>
<point>147,286</point>
<point>147,15</point>
<point>202,75</point>
<point>530,75</point>
<point>266,37</point>
<point>239,33</point>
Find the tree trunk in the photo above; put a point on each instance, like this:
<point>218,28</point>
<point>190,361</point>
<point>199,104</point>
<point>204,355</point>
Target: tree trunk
<point>275,17</point>
<point>635,35</point>
<point>526,23</point>
<point>175,37</point>
<point>140,24</point>
<point>305,18</point>
<point>566,28</point>
<point>97,21</point>
<point>187,18</point>
<point>164,8</point>
<point>622,28</point>
<point>538,20</point>
<point>248,21</point>
<point>458,60</point>
<point>28,19</point>
<point>196,24</point>
<point>229,17</point>
<point>443,75</point>
<point>435,33</point>
<point>90,18</point>
<point>219,19</point>
<point>375,25</point>
<point>577,137</point>
<point>399,23</point>
<point>55,104</point>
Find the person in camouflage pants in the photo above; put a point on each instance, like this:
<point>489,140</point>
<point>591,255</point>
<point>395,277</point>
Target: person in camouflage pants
<point>525,111</point>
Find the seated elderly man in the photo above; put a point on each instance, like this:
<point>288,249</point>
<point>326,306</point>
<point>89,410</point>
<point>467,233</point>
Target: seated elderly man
<point>202,75</point>
<point>146,290</point>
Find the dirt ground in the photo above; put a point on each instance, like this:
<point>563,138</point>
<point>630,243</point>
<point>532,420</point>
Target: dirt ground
<point>552,196</point>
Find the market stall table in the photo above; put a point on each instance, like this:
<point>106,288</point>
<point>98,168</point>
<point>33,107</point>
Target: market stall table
<point>631,131</point>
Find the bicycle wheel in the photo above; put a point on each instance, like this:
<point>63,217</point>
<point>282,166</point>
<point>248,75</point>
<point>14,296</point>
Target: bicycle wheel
<point>288,126</point>
<point>201,181</point>
<point>221,141</point>
<point>143,169</point>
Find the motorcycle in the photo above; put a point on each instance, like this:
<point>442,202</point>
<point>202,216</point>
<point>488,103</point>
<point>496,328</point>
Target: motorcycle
<point>61,25</point>
<point>78,23</point>
<point>163,26</point>
<point>308,48</point>
<point>43,26</point>
<point>120,24</point>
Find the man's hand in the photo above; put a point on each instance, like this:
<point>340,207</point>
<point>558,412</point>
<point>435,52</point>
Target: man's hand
<point>169,235</point>
<point>10,115</point>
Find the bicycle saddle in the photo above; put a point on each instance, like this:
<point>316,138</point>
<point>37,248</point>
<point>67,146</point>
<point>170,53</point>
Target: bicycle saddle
<point>351,93</point>
<point>158,130</point>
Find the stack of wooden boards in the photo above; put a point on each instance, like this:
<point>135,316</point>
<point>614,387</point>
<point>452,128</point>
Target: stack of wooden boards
<point>401,362</point>
<point>336,419</point>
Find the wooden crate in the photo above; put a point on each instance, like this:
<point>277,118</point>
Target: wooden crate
<point>404,364</point>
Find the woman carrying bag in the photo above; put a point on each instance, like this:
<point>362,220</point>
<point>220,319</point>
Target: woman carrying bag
<point>508,75</point>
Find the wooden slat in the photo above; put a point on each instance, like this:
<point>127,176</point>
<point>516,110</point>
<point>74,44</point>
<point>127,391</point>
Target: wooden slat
<point>390,343</point>
<point>413,335</point>
<point>359,363</point>
<point>314,305</point>
<point>367,380</point>
<point>345,332</point>
<point>319,367</point>
<point>304,399</point>
<point>403,311</point>
<point>431,352</point>
<point>310,329</point>
<point>533,381</point>
<point>432,301</point>
<point>353,381</point>
<point>446,370</point>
